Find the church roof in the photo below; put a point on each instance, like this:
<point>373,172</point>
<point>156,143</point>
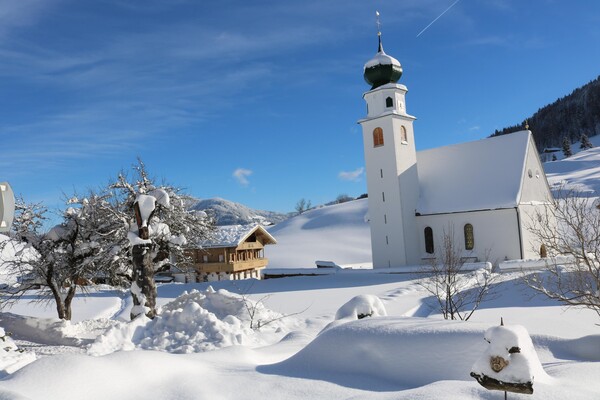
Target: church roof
<point>485,174</point>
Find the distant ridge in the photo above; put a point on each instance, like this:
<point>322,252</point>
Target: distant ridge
<point>230,213</point>
<point>570,116</point>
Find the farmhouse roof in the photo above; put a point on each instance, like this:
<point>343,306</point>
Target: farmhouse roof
<point>234,235</point>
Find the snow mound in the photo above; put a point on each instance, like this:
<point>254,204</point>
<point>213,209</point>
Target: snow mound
<point>389,353</point>
<point>361,306</point>
<point>11,357</point>
<point>193,322</point>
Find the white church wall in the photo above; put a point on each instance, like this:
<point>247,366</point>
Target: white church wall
<point>495,233</point>
<point>529,218</point>
<point>534,186</point>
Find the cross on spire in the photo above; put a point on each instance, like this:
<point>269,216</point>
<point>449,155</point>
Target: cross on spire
<point>378,22</point>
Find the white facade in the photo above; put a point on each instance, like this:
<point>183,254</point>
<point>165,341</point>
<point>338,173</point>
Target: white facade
<point>494,187</point>
<point>392,178</point>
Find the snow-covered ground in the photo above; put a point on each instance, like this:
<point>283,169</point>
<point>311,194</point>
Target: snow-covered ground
<point>202,345</point>
<point>298,338</point>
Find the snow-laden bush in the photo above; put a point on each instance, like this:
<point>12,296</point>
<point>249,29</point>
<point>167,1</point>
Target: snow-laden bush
<point>364,305</point>
<point>193,322</point>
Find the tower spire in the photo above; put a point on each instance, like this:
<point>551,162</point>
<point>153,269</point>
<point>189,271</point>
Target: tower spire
<point>378,22</point>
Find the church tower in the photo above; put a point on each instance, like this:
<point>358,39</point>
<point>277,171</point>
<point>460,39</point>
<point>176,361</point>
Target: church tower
<point>391,164</point>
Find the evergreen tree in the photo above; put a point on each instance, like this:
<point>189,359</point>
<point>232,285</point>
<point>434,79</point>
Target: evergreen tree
<point>585,142</point>
<point>566,147</point>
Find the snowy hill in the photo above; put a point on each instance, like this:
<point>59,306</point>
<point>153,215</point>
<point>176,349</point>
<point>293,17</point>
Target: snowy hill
<point>230,213</point>
<point>581,171</point>
<point>335,233</point>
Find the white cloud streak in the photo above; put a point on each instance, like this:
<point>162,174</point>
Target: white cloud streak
<point>352,176</point>
<point>241,175</point>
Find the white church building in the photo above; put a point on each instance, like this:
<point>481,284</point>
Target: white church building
<point>486,191</point>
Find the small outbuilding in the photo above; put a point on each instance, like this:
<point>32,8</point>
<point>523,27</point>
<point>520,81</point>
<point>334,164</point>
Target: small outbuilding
<point>234,252</point>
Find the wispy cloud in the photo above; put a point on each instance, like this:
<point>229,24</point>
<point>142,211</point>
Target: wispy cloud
<point>353,176</point>
<point>21,13</point>
<point>241,175</point>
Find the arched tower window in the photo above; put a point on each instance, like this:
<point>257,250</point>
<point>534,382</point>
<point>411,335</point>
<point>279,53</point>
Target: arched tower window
<point>377,137</point>
<point>429,240</point>
<point>469,237</point>
<point>389,102</point>
<point>403,135</point>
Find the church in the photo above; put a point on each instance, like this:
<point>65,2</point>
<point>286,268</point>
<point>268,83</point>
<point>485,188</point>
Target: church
<point>485,192</point>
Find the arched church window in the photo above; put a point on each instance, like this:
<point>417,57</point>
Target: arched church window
<point>429,240</point>
<point>469,237</point>
<point>403,135</point>
<point>377,137</point>
<point>389,102</point>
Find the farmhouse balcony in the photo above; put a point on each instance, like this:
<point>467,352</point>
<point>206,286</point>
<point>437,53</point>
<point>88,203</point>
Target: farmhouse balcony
<point>230,267</point>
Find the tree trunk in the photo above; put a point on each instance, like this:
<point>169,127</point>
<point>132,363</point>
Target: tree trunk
<point>69,300</point>
<point>143,288</point>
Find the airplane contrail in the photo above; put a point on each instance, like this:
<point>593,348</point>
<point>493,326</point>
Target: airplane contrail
<point>439,16</point>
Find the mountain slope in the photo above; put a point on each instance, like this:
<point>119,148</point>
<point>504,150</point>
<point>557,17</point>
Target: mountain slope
<point>570,116</point>
<point>230,213</point>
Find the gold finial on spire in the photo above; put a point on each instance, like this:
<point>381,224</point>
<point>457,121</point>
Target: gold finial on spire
<point>526,124</point>
<point>378,22</point>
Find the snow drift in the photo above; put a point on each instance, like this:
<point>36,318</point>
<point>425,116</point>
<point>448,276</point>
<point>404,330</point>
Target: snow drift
<point>389,353</point>
<point>193,322</point>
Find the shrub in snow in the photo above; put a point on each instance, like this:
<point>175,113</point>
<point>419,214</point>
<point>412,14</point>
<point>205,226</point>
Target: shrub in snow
<point>193,322</point>
<point>364,305</point>
<point>11,357</point>
<point>510,362</point>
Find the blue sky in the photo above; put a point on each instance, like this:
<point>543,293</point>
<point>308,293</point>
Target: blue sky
<point>257,101</point>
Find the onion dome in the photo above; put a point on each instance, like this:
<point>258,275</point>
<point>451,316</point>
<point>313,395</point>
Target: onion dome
<point>382,69</point>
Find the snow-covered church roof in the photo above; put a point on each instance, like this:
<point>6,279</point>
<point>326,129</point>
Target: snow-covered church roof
<point>234,235</point>
<point>480,175</point>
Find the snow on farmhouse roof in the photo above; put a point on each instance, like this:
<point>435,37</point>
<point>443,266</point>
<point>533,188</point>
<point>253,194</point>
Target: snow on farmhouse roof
<point>481,175</point>
<point>234,235</point>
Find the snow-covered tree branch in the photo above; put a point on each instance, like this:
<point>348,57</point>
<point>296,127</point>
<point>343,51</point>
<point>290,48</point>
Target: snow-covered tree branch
<point>569,226</point>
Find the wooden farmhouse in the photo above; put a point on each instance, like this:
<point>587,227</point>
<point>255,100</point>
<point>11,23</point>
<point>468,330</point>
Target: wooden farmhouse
<point>234,252</point>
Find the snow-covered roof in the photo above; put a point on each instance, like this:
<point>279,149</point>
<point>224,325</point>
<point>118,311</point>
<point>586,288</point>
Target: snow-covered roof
<point>381,59</point>
<point>480,175</point>
<point>234,235</point>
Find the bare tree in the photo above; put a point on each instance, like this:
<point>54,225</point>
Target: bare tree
<point>457,290</point>
<point>59,262</point>
<point>569,226</point>
<point>302,205</point>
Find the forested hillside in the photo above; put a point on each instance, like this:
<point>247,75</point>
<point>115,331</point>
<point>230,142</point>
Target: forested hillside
<point>570,116</point>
